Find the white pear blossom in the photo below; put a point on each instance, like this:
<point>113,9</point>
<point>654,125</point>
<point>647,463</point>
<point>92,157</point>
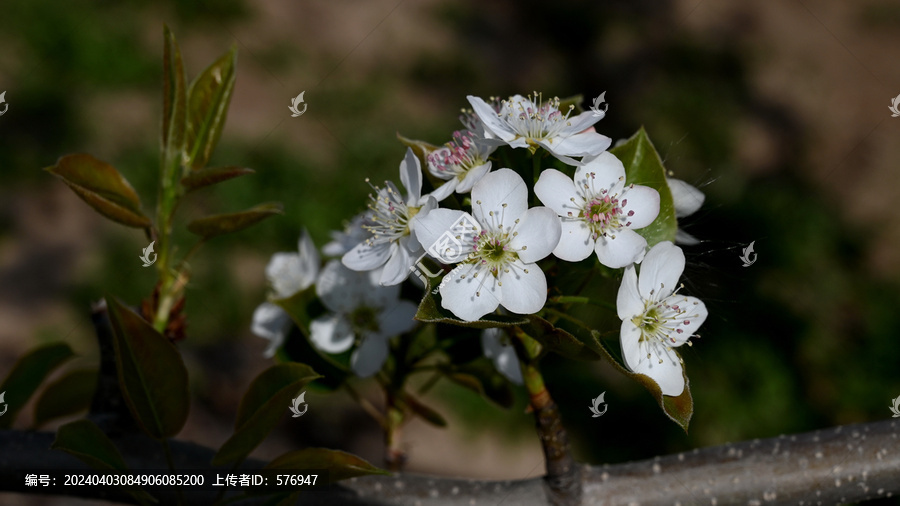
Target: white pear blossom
<point>502,353</point>
<point>500,267</point>
<point>363,312</point>
<point>287,274</point>
<point>461,162</point>
<point>391,243</point>
<point>598,211</point>
<point>656,319</point>
<point>523,122</point>
<point>687,200</point>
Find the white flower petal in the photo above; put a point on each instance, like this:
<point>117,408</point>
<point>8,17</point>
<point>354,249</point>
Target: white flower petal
<point>689,321</point>
<point>580,123</point>
<point>309,258</point>
<point>660,271</point>
<point>411,177</point>
<point>272,323</point>
<point>472,176</point>
<point>341,289</point>
<point>555,190</point>
<point>581,144</point>
<point>575,242</point>
<point>443,191</point>
<point>537,234</point>
<point>502,192</point>
<point>368,358</point>
<point>331,333</point>
<point>490,119</point>
<point>686,198</point>
<point>628,301</point>
<point>285,274</point>
<point>644,202</point>
<point>431,232</point>
<point>682,237</point>
<point>365,256</point>
<point>621,248</point>
<point>600,172</point>
<point>469,297</point>
<point>668,374</point>
<point>523,292</point>
<point>503,355</point>
<point>397,268</point>
<point>397,319</point>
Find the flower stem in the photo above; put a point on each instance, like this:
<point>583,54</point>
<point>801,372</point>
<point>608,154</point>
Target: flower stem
<point>563,478</point>
<point>394,456</point>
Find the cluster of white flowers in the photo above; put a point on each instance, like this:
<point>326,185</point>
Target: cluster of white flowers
<point>496,258</point>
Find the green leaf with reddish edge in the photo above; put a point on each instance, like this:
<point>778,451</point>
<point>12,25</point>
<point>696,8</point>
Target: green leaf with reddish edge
<point>102,187</point>
<point>173,123</point>
<point>679,409</point>
<point>152,375</point>
<point>201,178</point>
<point>340,465</point>
<point>643,166</point>
<point>219,224</point>
<point>207,107</point>
<point>431,312</point>
<point>67,395</point>
<point>27,375</point>
<point>85,441</point>
<point>265,402</point>
<point>482,377</point>
<point>426,413</point>
<point>558,340</point>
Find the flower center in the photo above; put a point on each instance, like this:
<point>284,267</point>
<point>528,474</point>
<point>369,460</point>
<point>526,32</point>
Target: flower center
<point>660,322</point>
<point>493,251</point>
<point>530,120</point>
<point>364,320</point>
<point>458,157</point>
<point>389,216</point>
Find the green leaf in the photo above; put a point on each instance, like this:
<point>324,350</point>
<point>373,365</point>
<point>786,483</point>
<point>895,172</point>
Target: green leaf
<point>340,465</point>
<point>482,377</point>
<point>67,395</point>
<point>678,409</point>
<point>211,175</point>
<point>102,187</point>
<point>426,413</point>
<point>207,107</point>
<point>218,224</point>
<point>174,114</point>
<point>152,375</point>
<point>85,441</point>
<point>430,312</point>
<point>27,375</point>
<point>643,166</point>
<point>265,402</point>
<point>558,340</point>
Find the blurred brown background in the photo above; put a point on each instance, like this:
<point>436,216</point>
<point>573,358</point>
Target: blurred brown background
<point>777,110</point>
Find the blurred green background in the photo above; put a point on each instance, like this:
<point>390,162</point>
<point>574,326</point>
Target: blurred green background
<point>777,111</point>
